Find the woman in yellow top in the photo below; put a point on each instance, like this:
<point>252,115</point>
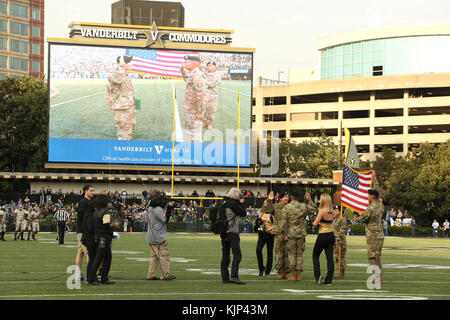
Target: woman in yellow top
<point>265,237</point>
<point>325,239</point>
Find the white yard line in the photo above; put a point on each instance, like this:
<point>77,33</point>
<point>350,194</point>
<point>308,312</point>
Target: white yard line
<point>76,99</point>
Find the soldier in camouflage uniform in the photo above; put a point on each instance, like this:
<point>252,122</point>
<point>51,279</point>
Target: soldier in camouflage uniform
<point>195,98</point>
<point>120,97</point>
<point>294,224</point>
<point>213,79</point>
<point>2,223</point>
<point>340,232</point>
<point>374,229</point>
<point>282,259</point>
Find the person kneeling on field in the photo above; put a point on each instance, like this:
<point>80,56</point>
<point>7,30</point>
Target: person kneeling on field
<point>157,237</point>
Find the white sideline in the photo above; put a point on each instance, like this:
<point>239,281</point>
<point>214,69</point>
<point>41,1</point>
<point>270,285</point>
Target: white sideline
<point>76,99</point>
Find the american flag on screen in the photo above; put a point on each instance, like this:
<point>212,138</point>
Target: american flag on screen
<point>158,62</point>
<point>355,187</point>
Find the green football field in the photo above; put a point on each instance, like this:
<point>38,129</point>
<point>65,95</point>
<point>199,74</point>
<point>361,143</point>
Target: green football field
<point>80,111</point>
<point>416,268</point>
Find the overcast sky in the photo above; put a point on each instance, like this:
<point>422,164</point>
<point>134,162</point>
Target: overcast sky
<point>283,32</point>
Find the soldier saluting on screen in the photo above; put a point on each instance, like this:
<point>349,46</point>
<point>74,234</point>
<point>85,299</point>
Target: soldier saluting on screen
<point>120,97</point>
<point>213,79</point>
<point>195,98</point>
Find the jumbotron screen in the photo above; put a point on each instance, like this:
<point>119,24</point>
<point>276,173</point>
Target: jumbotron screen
<point>113,105</point>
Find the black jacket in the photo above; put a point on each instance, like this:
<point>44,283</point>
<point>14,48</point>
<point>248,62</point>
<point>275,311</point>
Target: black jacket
<point>102,229</point>
<point>235,206</point>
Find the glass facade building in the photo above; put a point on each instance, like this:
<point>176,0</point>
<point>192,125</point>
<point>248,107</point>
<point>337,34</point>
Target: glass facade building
<point>21,38</point>
<point>389,56</point>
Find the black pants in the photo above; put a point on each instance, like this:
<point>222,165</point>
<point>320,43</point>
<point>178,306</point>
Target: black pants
<point>263,239</point>
<point>324,241</point>
<point>91,247</point>
<point>61,231</point>
<point>230,241</point>
<point>103,254</point>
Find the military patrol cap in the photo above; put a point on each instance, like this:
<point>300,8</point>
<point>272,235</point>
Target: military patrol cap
<point>192,58</point>
<point>374,193</point>
<point>284,194</point>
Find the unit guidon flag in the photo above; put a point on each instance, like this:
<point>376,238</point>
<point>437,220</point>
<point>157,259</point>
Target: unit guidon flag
<point>355,189</point>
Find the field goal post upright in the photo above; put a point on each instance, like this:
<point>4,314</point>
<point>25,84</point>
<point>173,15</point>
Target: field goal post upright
<point>173,153</point>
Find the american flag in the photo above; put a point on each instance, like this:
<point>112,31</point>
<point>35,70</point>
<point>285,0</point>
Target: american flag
<point>162,63</point>
<point>355,187</point>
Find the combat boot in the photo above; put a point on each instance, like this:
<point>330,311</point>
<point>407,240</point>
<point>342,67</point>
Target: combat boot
<point>292,276</point>
<point>280,276</point>
<point>340,275</point>
<point>298,276</point>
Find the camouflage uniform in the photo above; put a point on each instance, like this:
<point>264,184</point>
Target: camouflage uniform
<point>2,224</point>
<point>195,102</point>
<point>374,232</point>
<point>340,231</point>
<point>294,226</point>
<point>281,256</point>
<point>213,79</point>
<point>120,97</point>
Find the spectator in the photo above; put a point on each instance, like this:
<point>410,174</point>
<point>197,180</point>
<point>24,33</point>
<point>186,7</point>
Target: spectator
<point>42,197</point>
<point>246,226</point>
<point>385,227</point>
<point>123,195</point>
<point>446,227</point>
<point>49,194</point>
<point>435,226</point>
<point>413,225</point>
<point>400,214</point>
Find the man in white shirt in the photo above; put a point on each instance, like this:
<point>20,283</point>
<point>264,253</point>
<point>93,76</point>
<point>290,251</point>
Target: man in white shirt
<point>446,226</point>
<point>435,226</point>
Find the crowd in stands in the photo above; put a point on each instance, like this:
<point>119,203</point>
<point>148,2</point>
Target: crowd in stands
<point>97,63</point>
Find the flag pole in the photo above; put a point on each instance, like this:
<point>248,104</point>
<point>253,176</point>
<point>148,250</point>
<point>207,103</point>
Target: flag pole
<point>339,255</point>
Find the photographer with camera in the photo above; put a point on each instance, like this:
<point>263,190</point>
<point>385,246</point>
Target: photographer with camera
<point>265,236</point>
<point>234,211</point>
<point>157,237</point>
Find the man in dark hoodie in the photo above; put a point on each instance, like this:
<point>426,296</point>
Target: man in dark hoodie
<point>234,210</point>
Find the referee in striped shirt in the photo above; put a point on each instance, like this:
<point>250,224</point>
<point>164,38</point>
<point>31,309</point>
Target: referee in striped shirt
<point>62,217</point>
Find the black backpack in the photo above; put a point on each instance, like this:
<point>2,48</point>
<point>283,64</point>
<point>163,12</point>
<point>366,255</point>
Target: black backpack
<point>218,219</point>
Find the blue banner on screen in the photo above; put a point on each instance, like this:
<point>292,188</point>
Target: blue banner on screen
<point>145,152</point>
